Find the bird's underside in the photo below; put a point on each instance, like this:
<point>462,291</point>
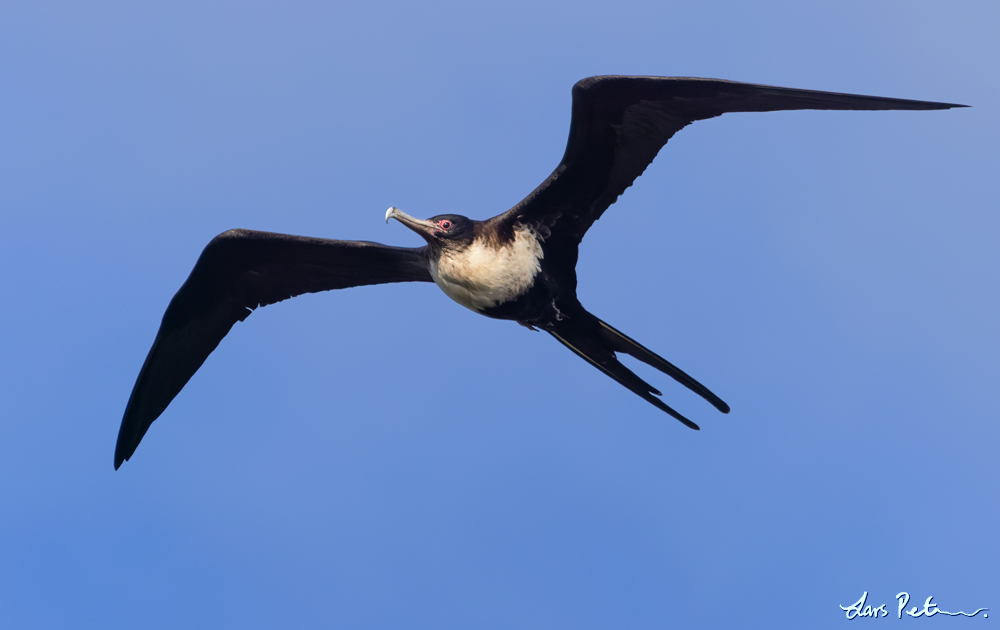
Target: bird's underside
<point>520,265</point>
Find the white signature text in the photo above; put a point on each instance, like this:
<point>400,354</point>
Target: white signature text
<point>861,609</point>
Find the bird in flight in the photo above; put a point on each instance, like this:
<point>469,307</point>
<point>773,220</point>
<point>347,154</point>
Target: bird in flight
<point>519,265</point>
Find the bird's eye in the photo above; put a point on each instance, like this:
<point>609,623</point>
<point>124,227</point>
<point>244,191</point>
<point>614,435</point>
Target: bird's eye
<point>445,225</point>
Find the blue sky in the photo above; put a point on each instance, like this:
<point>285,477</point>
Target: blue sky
<point>383,458</point>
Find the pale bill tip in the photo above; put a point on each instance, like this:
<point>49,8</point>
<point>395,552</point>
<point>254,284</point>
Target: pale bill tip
<point>388,213</point>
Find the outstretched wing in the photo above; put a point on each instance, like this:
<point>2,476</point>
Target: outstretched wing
<point>620,123</point>
<point>239,271</point>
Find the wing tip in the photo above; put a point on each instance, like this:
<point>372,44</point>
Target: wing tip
<point>129,435</point>
<point>122,453</point>
<point>930,105</point>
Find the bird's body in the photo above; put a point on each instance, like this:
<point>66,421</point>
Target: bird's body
<point>519,265</point>
<point>490,275</point>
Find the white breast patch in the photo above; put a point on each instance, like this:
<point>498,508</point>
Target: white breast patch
<point>483,276</point>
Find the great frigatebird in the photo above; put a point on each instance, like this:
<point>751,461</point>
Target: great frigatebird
<point>520,265</point>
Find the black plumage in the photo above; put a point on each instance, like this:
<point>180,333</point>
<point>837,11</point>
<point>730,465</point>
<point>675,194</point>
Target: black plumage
<point>520,265</point>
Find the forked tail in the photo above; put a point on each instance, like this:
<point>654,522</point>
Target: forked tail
<point>597,342</point>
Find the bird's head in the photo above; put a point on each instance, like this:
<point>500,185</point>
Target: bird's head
<point>445,231</point>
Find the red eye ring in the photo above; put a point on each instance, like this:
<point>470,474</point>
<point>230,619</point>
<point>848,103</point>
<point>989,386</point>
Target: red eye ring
<point>445,225</point>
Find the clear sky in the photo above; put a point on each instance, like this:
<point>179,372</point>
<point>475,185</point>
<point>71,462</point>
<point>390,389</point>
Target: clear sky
<point>383,458</point>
